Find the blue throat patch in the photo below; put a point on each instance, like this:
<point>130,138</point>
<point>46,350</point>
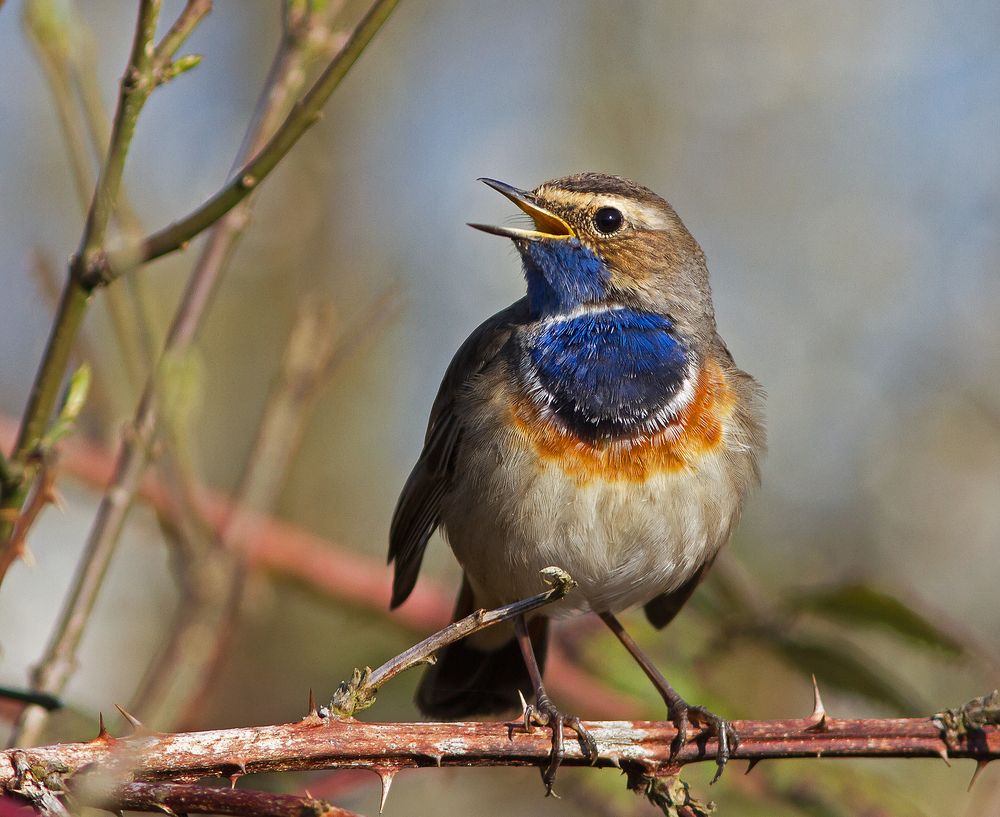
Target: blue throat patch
<point>609,373</point>
<point>562,275</point>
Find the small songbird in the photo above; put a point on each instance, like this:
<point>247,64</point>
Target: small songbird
<point>598,425</point>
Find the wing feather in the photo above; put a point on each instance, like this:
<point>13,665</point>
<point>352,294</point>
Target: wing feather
<point>418,511</point>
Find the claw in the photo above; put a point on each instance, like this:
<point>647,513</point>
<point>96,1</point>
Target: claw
<point>681,721</point>
<point>544,713</point>
<point>729,741</point>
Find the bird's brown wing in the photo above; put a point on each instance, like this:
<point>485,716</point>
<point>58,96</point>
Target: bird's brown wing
<point>418,510</point>
<point>661,610</point>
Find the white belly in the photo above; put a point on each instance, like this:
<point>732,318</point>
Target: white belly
<point>624,542</point>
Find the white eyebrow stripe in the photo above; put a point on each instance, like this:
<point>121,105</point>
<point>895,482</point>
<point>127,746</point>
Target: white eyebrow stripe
<point>641,215</point>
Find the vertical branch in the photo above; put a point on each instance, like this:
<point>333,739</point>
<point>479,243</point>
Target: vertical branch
<point>135,88</point>
<point>56,47</point>
<point>285,80</point>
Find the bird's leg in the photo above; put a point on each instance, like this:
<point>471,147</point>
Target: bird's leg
<point>680,711</point>
<point>544,713</point>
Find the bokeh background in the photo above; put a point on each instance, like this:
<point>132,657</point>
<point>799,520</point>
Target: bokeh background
<point>839,164</point>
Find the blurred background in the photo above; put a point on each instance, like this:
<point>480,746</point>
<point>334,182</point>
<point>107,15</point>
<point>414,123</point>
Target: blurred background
<point>838,163</point>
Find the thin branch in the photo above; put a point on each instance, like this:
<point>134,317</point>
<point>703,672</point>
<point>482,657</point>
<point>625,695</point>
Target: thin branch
<point>193,13</point>
<point>55,667</point>
<point>136,85</point>
<point>51,43</point>
<point>42,494</point>
<point>56,43</point>
<point>359,693</point>
<point>305,114</point>
<point>179,798</point>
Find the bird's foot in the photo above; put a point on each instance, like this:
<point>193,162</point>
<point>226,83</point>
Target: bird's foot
<point>544,713</point>
<point>683,715</point>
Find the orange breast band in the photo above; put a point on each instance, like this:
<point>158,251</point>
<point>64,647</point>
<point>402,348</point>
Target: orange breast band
<point>696,431</point>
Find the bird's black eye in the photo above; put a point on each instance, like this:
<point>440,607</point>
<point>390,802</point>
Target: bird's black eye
<point>608,220</point>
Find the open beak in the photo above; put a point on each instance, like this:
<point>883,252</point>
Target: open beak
<point>547,224</point>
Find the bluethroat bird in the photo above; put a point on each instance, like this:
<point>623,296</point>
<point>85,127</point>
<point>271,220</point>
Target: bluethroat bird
<point>600,425</point>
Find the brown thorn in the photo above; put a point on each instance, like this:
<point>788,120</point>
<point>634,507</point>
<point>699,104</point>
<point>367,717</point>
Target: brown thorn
<point>102,731</point>
<point>817,720</point>
<point>980,765</point>
<point>752,764</point>
<point>312,704</point>
<point>943,754</point>
<point>56,499</point>
<point>385,776</point>
<point>132,719</point>
<point>241,769</point>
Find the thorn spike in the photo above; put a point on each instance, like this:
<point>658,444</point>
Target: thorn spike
<point>751,765</point>
<point>241,769</point>
<point>56,499</point>
<point>132,719</point>
<point>386,777</point>
<point>816,722</point>
<point>980,765</point>
<point>102,731</point>
<point>312,703</point>
<point>943,754</point>
<point>819,711</point>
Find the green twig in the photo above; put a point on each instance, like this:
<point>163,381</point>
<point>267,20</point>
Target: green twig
<point>306,112</point>
<point>135,88</point>
<point>193,13</point>
<point>56,666</point>
<point>57,42</point>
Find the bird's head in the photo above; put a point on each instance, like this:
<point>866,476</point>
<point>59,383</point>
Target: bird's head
<point>603,240</point>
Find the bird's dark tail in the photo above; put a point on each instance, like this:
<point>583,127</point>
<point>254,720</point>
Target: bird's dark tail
<point>468,680</point>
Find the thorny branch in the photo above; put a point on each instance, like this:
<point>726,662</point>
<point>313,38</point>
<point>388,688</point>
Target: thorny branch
<point>641,748</point>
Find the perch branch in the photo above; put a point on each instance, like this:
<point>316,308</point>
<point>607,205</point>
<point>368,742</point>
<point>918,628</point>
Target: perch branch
<point>333,743</point>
